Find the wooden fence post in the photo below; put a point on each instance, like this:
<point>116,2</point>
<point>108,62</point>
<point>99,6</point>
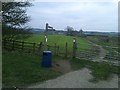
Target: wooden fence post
<point>58,51</point>
<point>4,43</point>
<point>48,47</point>
<point>66,45</point>
<point>40,46</point>
<point>34,47</point>
<point>22,45</point>
<point>13,44</point>
<point>55,48</point>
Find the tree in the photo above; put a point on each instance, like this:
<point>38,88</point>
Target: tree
<point>70,30</point>
<point>81,33</point>
<point>14,16</point>
<point>14,13</point>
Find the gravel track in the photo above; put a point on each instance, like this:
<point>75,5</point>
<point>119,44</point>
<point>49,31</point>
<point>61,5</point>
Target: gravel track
<point>78,79</point>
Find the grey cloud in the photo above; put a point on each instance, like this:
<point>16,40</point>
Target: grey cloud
<point>90,16</point>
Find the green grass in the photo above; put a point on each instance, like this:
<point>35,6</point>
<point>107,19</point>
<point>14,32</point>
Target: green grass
<point>61,40</point>
<point>20,69</point>
<point>79,64</point>
<point>100,71</point>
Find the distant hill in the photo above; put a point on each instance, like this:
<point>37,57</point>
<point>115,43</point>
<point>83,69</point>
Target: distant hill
<point>37,30</point>
<point>101,33</point>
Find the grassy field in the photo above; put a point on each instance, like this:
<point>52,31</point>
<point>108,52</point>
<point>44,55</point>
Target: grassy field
<point>61,40</point>
<point>21,69</point>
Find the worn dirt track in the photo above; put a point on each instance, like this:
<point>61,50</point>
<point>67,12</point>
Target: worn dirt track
<point>77,79</point>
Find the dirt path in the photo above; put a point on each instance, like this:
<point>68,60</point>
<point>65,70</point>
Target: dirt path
<point>62,66</point>
<point>77,79</point>
<point>101,55</point>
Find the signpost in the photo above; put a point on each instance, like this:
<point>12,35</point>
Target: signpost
<point>47,55</point>
<point>47,28</point>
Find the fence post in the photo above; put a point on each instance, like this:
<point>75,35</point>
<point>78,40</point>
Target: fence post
<point>13,44</point>
<point>9,43</point>
<point>48,47</point>
<point>55,48</point>
<point>23,45</point>
<point>4,43</point>
<point>66,49</point>
<point>33,47</point>
<point>40,46</point>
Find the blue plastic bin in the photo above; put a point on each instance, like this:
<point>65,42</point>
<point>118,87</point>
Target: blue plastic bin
<point>47,59</point>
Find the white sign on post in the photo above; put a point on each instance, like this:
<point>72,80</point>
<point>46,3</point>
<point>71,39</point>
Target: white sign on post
<point>74,40</point>
<point>45,39</point>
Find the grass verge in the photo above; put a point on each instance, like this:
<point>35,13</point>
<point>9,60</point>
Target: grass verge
<point>100,71</point>
<point>20,69</point>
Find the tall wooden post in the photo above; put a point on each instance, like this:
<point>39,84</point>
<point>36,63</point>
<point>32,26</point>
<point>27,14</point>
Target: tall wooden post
<point>22,45</point>
<point>74,47</point>
<point>34,47</point>
<point>46,28</point>
<point>40,46</point>
<point>55,49</point>
<point>45,39</point>
<point>13,44</point>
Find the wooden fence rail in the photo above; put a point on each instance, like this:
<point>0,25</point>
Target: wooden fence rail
<point>29,47</point>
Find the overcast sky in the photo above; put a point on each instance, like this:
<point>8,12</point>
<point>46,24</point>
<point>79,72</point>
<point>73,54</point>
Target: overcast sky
<point>90,16</point>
